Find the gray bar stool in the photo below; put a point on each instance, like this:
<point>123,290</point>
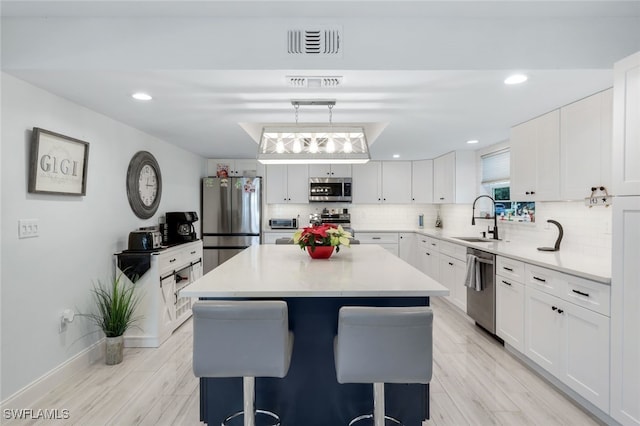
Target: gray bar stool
<point>383,345</point>
<point>245,339</point>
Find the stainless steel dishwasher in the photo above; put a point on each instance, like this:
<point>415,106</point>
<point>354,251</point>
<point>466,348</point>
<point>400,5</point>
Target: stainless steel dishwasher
<point>481,305</point>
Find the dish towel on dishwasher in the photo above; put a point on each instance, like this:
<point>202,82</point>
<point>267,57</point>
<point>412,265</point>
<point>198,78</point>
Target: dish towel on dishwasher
<point>473,279</point>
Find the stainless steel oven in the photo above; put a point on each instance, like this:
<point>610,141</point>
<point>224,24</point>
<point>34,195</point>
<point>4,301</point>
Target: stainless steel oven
<point>330,189</point>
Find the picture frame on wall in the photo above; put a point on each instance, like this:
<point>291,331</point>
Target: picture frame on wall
<point>58,164</point>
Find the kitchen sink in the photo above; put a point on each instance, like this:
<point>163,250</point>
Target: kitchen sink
<point>475,239</point>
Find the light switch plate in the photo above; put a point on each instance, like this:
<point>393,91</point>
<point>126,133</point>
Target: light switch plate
<point>28,228</point>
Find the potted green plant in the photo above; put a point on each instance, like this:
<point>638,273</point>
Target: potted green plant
<point>320,240</point>
<point>116,303</point>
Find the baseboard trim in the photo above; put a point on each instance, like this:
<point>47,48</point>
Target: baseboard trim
<point>27,396</point>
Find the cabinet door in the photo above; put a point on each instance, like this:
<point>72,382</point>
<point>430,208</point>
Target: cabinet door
<point>245,168</point>
<point>422,182</point>
<point>341,170</point>
<point>276,184</point>
<point>407,247</point>
<point>626,130</point>
<point>625,315</point>
<point>586,345</point>
<point>548,157</point>
<point>523,164</point>
<point>446,274</point>
<point>510,312</point>
<point>366,183</point>
<point>543,330</point>
<point>320,170</point>
<point>396,182</point>
<point>298,183</point>
<point>167,304</point>
<point>460,290</point>
<point>444,169</point>
<point>431,263</point>
<point>585,145</point>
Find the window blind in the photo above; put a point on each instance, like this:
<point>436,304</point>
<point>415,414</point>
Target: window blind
<point>496,167</point>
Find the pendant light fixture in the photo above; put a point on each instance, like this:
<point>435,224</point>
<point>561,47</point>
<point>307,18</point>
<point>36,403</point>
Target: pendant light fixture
<point>313,143</point>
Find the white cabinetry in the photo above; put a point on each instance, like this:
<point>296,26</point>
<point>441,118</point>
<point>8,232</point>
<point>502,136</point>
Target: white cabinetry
<point>329,170</point>
<point>287,183</point>
<point>454,178</point>
<point>160,308</point>
<point>625,312</point>
<point>626,127</point>
<point>237,167</point>
<point>382,182</point>
<point>510,302</point>
<point>422,182</point>
<point>585,145</point>
<point>535,164</point>
<point>407,247</point>
<point>453,271</point>
<point>386,240</point>
<point>429,256</point>
<point>567,331</point>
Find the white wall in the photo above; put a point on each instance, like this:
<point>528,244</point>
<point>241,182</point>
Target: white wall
<point>78,235</point>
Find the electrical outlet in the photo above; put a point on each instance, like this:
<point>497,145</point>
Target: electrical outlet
<point>28,228</point>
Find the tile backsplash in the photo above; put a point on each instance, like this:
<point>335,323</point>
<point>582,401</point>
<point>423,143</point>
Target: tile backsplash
<point>586,230</point>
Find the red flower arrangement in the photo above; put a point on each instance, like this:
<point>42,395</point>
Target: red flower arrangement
<point>321,235</point>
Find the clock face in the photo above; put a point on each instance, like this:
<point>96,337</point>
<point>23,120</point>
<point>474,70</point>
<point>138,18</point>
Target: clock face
<point>144,184</point>
<point>148,185</point>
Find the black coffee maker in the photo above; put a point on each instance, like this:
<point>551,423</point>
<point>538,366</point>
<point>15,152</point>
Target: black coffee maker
<point>179,226</point>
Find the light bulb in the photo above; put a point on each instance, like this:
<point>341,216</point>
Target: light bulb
<point>348,148</point>
<point>313,146</point>
<point>279,146</point>
<point>296,146</point>
<point>331,146</point>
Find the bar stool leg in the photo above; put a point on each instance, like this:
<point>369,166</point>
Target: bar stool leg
<point>249,402</point>
<point>378,404</point>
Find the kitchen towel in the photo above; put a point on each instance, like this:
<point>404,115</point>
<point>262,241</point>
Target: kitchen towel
<point>473,279</point>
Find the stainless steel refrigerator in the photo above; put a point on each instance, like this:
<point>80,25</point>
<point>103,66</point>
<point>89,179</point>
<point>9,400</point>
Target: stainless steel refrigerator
<point>231,217</point>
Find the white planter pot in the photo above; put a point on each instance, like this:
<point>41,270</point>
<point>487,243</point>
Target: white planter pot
<point>114,350</point>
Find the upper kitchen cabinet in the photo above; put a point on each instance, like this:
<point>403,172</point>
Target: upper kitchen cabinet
<point>585,145</point>
<point>287,183</point>
<point>382,182</point>
<point>535,159</point>
<point>422,182</point>
<point>626,131</point>
<point>330,170</point>
<point>454,178</point>
<point>237,167</point>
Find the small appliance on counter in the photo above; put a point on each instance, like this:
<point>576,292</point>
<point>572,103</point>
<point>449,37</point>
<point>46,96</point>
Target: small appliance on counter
<point>333,217</point>
<point>145,239</point>
<point>283,223</point>
<point>180,227</point>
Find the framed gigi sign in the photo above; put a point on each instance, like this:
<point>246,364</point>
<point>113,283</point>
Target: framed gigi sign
<point>58,164</point>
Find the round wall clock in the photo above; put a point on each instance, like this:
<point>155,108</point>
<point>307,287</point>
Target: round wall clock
<point>144,184</point>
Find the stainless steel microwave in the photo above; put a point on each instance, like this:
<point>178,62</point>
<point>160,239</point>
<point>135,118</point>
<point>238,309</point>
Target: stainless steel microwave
<point>330,189</point>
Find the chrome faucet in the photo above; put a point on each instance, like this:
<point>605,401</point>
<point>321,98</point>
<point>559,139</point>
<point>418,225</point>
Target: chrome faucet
<point>494,232</point>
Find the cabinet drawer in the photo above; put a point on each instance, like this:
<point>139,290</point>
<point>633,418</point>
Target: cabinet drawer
<point>377,238</point>
<point>170,261</point>
<point>544,280</point>
<point>456,251</point>
<point>591,295</point>
<point>429,243</point>
<point>510,268</point>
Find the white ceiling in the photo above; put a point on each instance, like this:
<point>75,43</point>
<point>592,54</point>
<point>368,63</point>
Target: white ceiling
<point>431,71</point>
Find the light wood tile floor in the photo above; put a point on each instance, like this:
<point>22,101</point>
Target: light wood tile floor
<point>475,382</point>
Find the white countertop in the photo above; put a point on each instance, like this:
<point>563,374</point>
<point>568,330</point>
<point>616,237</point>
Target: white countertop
<point>589,267</point>
<point>287,271</point>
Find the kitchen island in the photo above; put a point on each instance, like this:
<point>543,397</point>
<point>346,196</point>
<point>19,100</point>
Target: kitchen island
<point>314,291</point>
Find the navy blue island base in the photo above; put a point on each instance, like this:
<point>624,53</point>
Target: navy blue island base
<point>310,395</point>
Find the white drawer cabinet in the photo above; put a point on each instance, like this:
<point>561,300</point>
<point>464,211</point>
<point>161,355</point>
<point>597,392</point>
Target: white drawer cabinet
<point>386,240</point>
<point>160,308</point>
<point>452,273</point>
<point>429,256</point>
<point>510,302</point>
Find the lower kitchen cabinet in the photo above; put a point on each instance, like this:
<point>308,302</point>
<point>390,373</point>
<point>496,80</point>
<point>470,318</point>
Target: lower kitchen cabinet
<point>386,240</point>
<point>407,247</point>
<point>429,256</point>
<point>570,342</point>
<point>452,273</point>
<point>161,277</point>
<point>510,312</point>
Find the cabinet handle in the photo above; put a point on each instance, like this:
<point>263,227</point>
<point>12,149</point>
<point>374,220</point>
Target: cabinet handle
<point>560,311</point>
<point>433,244</point>
<point>193,252</point>
<point>542,280</point>
<point>527,193</point>
<point>506,282</point>
<point>554,308</point>
<point>424,241</point>
<point>533,192</point>
<point>376,238</point>
<point>507,269</point>
<point>450,263</point>
<point>428,254</point>
<point>442,198</point>
<point>172,260</point>
<point>580,293</point>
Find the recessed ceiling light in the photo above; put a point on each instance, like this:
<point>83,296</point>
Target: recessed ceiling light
<point>473,141</point>
<point>141,96</point>
<point>396,155</point>
<point>516,79</point>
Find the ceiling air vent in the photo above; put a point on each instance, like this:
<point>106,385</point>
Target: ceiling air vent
<point>314,41</point>
<point>304,82</point>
